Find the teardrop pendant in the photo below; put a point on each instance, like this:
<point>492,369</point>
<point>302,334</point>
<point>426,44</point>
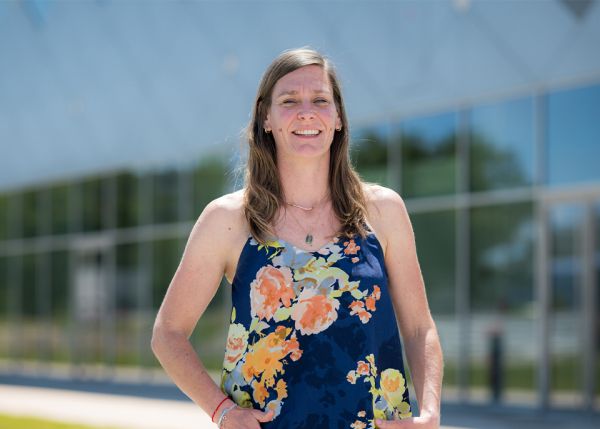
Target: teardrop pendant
<point>308,239</point>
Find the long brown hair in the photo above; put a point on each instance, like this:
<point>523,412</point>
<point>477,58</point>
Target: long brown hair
<point>263,191</point>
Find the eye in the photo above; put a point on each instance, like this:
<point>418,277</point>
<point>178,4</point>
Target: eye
<point>288,101</point>
<point>321,100</point>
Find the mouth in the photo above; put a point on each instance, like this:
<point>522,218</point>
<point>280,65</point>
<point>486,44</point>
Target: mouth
<point>307,133</point>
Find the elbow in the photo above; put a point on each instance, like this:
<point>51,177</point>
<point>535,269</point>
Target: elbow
<point>162,339</point>
<point>419,332</point>
<point>159,338</point>
<point>155,341</point>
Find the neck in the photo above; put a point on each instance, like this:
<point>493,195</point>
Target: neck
<point>304,183</point>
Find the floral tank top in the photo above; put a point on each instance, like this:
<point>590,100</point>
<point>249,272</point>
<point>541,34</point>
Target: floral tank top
<point>313,336</point>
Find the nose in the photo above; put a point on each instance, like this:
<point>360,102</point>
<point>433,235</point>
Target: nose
<point>306,113</point>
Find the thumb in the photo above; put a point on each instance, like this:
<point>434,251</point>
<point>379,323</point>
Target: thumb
<point>262,416</point>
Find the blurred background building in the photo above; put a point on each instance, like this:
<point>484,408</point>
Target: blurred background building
<point>120,120</point>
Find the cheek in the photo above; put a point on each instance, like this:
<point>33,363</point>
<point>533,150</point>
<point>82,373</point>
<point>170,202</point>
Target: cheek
<point>329,116</point>
<point>283,116</point>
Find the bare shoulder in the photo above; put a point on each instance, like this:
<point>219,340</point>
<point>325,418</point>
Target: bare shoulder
<point>225,215</point>
<point>228,206</point>
<point>220,225</point>
<point>386,213</point>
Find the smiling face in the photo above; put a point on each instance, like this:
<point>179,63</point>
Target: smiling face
<point>303,116</point>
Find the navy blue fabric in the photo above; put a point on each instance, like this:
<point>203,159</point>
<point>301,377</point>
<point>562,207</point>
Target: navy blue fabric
<point>340,313</point>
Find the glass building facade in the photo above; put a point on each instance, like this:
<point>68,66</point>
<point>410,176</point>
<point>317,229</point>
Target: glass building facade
<point>504,198</point>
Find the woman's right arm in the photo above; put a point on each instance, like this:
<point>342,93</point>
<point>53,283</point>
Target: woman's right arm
<point>193,286</point>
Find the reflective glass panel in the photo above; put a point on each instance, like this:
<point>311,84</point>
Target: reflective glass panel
<point>166,196</point>
<point>3,217</point>
<point>59,208</point>
<point>4,300</point>
<point>435,239</point>
<point>59,286</point>
<point>28,298</point>
<point>91,304</point>
<point>501,145</point>
<point>128,202</point>
<point>574,135</point>
<point>369,154</point>
<point>91,201</point>
<point>428,155</point>
<point>209,182</point>
<point>503,355</point>
<point>566,310</point>
<point>128,311</point>
<point>14,317</point>
<point>30,213</point>
<point>166,256</point>
<point>14,226</point>
<point>597,316</point>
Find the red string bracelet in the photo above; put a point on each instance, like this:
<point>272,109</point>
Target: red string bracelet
<point>215,411</point>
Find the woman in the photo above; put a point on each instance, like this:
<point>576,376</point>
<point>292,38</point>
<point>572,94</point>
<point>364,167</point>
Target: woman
<point>321,266</point>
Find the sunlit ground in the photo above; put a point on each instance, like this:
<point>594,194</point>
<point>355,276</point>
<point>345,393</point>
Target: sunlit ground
<point>14,422</point>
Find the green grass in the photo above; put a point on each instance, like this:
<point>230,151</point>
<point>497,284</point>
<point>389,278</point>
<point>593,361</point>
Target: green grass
<point>14,422</point>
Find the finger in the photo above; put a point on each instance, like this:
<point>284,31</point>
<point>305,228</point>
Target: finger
<point>390,424</point>
<point>261,416</point>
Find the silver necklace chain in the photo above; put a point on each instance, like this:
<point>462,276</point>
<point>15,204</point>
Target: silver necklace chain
<point>308,208</point>
<point>309,237</point>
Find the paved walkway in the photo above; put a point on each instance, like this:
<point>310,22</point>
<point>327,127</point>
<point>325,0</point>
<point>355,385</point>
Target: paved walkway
<point>99,409</point>
<point>134,412</point>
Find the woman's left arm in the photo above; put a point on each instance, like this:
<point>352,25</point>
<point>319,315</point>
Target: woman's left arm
<point>407,290</point>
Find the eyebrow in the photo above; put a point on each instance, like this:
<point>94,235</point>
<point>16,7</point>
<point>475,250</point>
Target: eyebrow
<point>294,92</point>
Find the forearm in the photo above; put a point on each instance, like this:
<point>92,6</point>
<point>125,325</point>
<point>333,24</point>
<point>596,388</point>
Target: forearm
<point>180,361</point>
<point>424,354</point>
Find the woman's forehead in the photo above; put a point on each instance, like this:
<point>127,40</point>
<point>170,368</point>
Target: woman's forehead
<point>308,78</point>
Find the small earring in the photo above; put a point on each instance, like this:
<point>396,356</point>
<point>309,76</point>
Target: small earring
<point>267,130</point>
<point>339,128</point>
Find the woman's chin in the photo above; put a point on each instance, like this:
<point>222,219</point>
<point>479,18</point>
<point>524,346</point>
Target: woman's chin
<point>309,151</point>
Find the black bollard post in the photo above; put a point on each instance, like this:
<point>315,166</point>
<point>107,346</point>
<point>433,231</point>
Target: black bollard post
<point>495,365</point>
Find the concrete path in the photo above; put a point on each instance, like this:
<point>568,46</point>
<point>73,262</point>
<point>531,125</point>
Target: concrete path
<point>100,409</point>
<point>135,412</point>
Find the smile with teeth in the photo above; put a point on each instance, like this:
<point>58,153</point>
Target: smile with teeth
<point>307,132</point>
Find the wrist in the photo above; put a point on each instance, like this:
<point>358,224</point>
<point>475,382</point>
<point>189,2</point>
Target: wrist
<point>224,412</point>
<point>224,402</point>
<point>430,415</point>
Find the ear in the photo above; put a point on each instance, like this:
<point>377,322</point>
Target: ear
<point>267,123</point>
<point>338,122</point>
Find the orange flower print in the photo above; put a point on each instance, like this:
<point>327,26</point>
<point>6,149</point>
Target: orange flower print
<point>358,425</point>
<point>314,312</point>
<point>363,368</point>
<point>350,247</point>
<point>259,392</point>
<point>271,288</point>
<point>355,260</point>
<point>293,348</point>
<point>370,303</point>
<point>362,309</point>
<point>281,389</point>
<point>264,358</point>
<point>364,316</point>
<point>362,413</point>
<point>376,294</point>
<point>357,308</point>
